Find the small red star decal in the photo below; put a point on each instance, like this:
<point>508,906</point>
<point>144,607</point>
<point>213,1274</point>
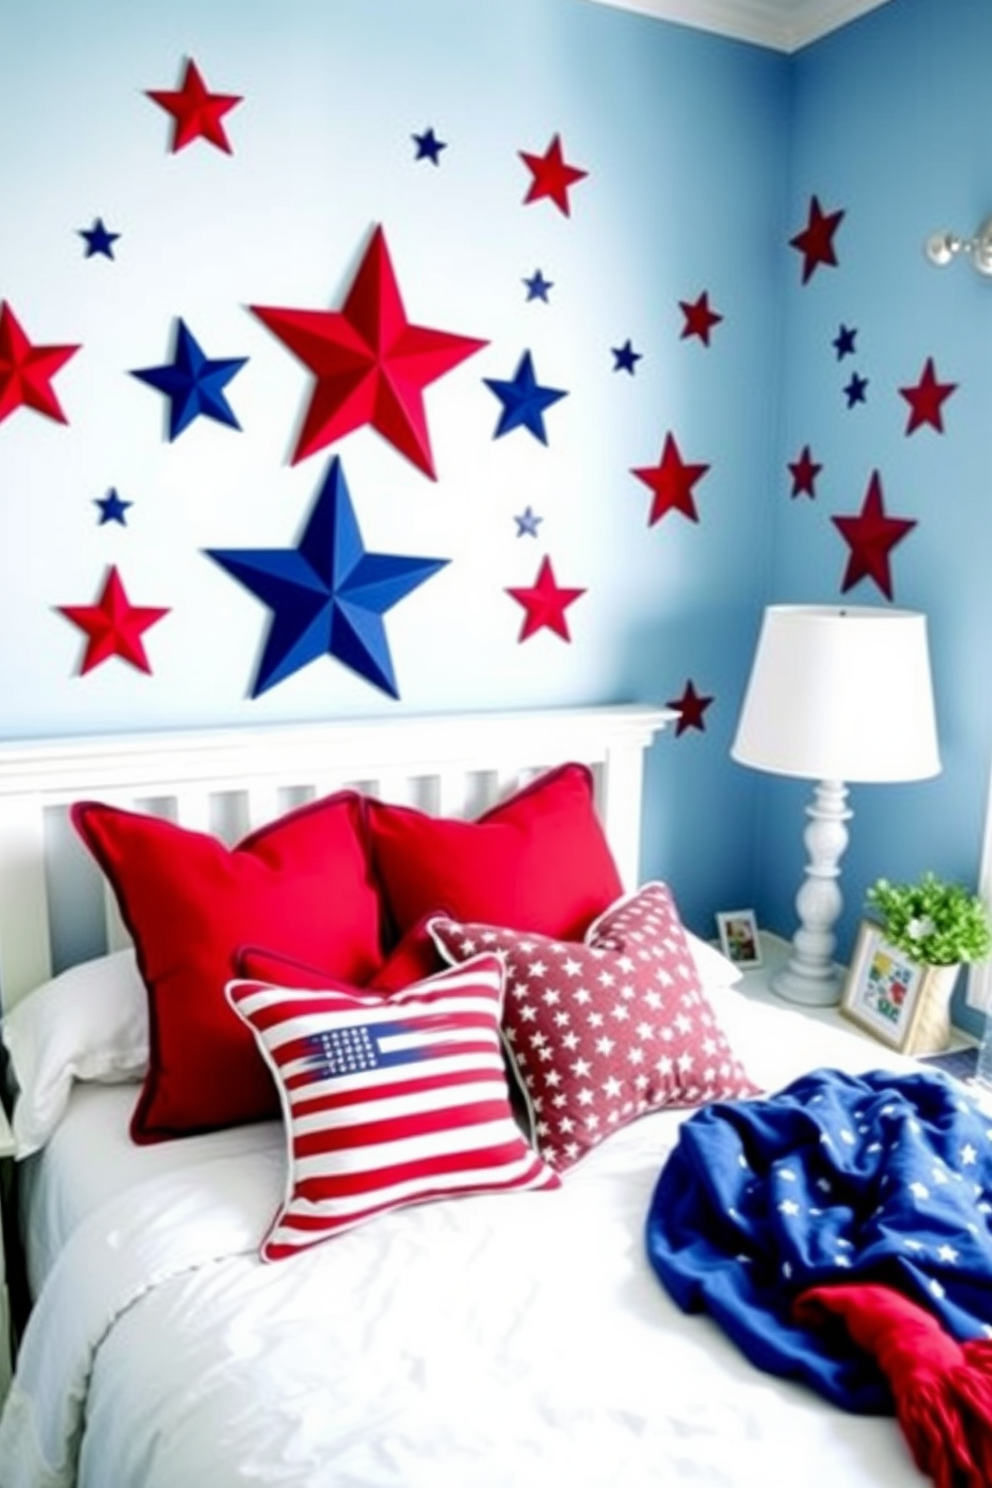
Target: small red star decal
<point>26,371</point>
<point>370,363</point>
<point>671,481</point>
<point>545,604</point>
<point>804,473</point>
<point>926,399</point>
<point>113,626</point>
<point>553,176</point>
<point>196,112</point>
<point>816,241</point>
<point>871,536</point>
<point>699,319</point>
<point>690,707</point>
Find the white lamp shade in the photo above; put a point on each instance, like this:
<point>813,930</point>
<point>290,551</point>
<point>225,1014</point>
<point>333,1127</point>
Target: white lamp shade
<point>840,693</point>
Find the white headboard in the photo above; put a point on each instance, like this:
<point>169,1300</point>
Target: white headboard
<point>54,906</point>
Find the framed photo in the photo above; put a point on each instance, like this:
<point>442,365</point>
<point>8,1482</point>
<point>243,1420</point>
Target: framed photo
<point>739,936</point>
<point>886,993</point>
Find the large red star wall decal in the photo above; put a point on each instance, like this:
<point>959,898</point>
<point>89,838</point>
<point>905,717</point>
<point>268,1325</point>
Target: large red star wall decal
<point>871,536</point>
<point>545,603</point>
<point>553,176</point>
<point>816,241</point>
<point>698,319</point>
<point>926,399</point>
<point>371,365</point>
<point>196,113</point>
<point>690,707</point>
<point>671,480</point>
<point>113,626</point>
<point>804,472</point>
<point>26,371</point>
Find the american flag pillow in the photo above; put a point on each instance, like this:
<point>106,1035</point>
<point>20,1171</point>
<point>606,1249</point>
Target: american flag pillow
<point>607,1028</point>
<point>388,1100</point>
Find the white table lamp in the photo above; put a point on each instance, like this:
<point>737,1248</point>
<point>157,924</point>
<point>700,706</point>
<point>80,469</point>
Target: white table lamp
<point>836,694</point>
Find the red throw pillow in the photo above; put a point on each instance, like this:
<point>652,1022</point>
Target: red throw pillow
<point>538,861</point>
<point>608,1028</point>
<point>303,884</point>
<point>415,958</point>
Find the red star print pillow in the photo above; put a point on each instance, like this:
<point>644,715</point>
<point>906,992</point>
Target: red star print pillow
<point>607,1028</point>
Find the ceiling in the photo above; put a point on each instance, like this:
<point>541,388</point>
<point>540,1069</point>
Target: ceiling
<point>785,25</point>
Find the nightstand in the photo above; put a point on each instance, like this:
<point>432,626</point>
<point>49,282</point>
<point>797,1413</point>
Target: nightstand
<point>774,953</point>
<point>6,1151</point>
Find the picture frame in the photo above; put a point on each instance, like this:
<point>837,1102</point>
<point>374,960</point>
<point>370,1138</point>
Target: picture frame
<point>887,993</point>
<point>739,938</point>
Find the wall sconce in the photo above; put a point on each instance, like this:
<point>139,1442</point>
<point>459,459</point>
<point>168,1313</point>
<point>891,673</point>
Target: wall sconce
<point>941,247</point>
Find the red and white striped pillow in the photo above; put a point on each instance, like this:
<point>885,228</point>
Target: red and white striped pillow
<point>388,1100</point>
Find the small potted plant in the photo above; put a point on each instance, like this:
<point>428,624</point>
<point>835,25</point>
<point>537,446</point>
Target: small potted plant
<point>938,925</point>
<point>933,921</point>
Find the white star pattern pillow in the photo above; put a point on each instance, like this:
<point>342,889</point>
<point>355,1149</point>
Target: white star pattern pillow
<point>607,1028</point>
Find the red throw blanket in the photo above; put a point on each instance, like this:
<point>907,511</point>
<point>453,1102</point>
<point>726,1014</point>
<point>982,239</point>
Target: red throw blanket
<point>942,1389</point>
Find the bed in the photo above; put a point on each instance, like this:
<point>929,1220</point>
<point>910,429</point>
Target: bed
<point>199,1314</point>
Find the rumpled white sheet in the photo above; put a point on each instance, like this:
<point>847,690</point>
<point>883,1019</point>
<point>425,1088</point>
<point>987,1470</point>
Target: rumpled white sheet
<point>484,1342</point>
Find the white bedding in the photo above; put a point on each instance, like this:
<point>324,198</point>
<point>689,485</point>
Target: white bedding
<point>485,1342</point>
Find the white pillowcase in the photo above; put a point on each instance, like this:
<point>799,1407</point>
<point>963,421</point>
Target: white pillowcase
<point>714,968</point>
<point>88,1023</point>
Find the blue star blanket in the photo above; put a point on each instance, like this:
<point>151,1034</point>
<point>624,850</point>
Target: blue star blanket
<point>880,1177</point>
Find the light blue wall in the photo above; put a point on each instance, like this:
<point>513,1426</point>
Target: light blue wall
<point>891,125</point>
<point>702,155</point>
<point>681,134</point>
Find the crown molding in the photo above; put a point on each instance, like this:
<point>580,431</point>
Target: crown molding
<point>785,25</point>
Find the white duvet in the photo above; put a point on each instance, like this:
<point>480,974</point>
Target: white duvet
<point>481,1342</point>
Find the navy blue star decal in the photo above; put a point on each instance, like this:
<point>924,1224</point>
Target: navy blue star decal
<point>625,358</point>
<point>328,595</point>
<point>843,342</point>
<point>856,390</point>
<point>528,522</point>
<point>538,286</point>
<point>429,147</point>
<point>193,383</point>
<point>112,508</point>
<point>524,400</point>
<point>98,239</point>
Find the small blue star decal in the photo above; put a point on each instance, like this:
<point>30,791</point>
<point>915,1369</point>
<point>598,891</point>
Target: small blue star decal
<point>524,400</point>
<point>193,384</point>
<point>843,342</point>
<point>98,239</point>
<point>528,522</point>
<point>538,286</point>
<point>856,390</point>
<point>429,147</point>
<point>328,595</point>
<point>625,358</point>
<point>112,508</point>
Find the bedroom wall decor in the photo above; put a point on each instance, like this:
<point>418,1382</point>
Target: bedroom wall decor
<point>370,363</point>
<point>26,370</point>
<point>196,112</point>
<point>113,626</point>
<point>193,383</point>
<point>328,594</point>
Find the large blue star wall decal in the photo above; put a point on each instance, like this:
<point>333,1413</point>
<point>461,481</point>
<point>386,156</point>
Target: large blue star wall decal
<point>328,595</point>
<point>193,383</point>
<point>524,400</point>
